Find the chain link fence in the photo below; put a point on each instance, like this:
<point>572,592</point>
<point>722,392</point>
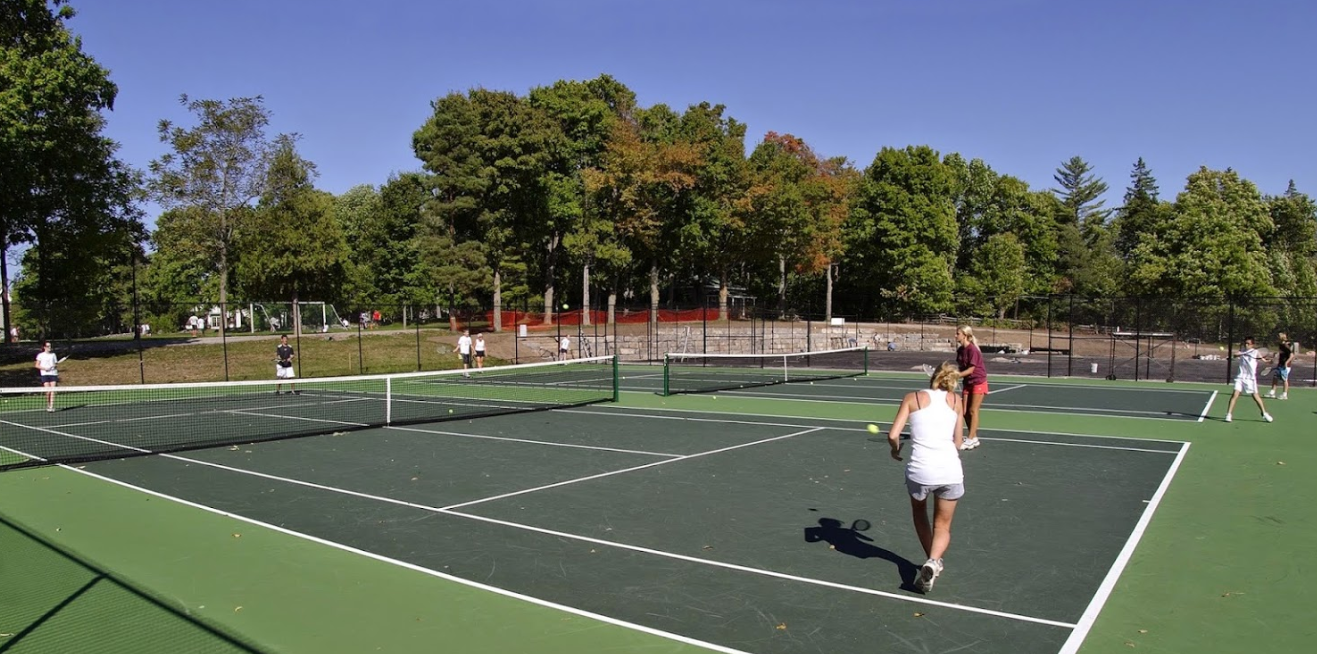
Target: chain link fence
<point>1171,339</point>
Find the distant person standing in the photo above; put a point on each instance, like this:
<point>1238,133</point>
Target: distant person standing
<point>463,350</point>
<point>974,380</point>
<point>1246,379</point>
<point>480,350</point>
<point>564,348</point>
<point>1280,375</point>
<point>48,365</point>
<point>283,366</point>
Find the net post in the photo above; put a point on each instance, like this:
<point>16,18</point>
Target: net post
<point>866,360</point>
<point>786,376</point>
<point>388,400</point>
<point>617,389</point>
<point>666,367</point>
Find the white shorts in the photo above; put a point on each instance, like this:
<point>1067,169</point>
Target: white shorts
<point>1246,385</point>
<point>920,491</point>
<point>281,372</point>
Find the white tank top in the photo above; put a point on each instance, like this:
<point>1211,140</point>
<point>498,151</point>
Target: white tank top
<point>934,459</point>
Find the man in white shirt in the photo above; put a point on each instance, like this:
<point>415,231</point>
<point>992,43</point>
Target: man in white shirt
<point>564,348</point>
<point>48,364</point>
<point>464,350</point>
<point>1246,379</point>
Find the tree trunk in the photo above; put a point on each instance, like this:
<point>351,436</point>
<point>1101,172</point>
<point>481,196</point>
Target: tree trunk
<point>612,302</point>
<point>723,291</point>
<point>498,300</point>
<point>551,261</point>
<point>653,296</point>
<point>827,301</point>
<point>585,295</point>
<point>223,274</point>
<point>297,318</point>
<point>4,294</point>
<point>781,284</point>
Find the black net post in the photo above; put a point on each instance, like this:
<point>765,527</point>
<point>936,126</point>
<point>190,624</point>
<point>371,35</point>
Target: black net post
<point>224,337</point>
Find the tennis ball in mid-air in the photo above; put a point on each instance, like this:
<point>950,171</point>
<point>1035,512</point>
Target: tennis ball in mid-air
<point>450,410</point>
<point>873,429</point>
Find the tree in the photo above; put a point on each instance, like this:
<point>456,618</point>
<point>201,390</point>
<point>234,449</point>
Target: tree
<point>1292,245</point>
<point>998,273</point>
<point>60,180</point>
<point>713,234</point>
<point>904,231</point>
<point>291,246</point>
<point>1081,193</point>
<point>356,212</point>
<point>1211,245</point>
<point>218,167</point>
<point>1087,255</point>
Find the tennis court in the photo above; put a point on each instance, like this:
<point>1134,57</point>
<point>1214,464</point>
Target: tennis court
<point>648,524</point>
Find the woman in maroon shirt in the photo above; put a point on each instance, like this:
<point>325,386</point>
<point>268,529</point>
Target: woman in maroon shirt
<point>974,381</point>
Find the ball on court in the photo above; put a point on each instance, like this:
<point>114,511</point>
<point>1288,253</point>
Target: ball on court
<point>873,429</point>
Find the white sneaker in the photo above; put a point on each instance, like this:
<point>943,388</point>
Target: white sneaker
<point>1228,418</point>
<point>1271,394</point>
<point>969,443</point>
<point>1267,417</point>
<point>1284,396</point>
<point>928,574</point>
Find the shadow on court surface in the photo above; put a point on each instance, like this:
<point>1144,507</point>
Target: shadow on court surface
<point>57,602</point>
<point>851,542</point>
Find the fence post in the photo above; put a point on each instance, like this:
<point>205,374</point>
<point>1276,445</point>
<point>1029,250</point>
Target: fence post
<point>1049,335</point>
<point>1070,343</point>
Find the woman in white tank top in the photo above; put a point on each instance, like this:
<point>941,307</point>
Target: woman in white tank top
<point>937,421</point>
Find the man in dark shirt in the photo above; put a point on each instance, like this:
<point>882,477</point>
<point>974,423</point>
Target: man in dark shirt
<point>1280,375</point>
<point>283,365</point>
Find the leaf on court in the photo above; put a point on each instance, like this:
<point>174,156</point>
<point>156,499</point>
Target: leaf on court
<point>1143,631</point>
<point>1129,643</point>
<point>237,535</point>
<point>1280,463</point>
<point>237,608</point>
<point>1231,593</point>
<point>782,627</point>
<point>707,547</point>
<point>415,478</point>
<point>233,449</point>
<point>918,614</point>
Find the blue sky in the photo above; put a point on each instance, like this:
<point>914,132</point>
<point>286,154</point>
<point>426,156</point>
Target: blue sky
<point>1021,84</point>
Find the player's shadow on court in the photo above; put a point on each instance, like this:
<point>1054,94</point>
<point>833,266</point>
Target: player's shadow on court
<point>853,543</point>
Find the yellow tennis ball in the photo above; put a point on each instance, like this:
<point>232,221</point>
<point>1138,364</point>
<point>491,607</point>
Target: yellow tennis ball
<point>873,429</point>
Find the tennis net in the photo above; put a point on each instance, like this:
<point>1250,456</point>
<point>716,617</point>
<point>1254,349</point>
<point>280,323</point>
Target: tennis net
<point>701,373</point>
<point>104,422</point>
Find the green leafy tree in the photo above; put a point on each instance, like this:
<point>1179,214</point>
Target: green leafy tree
<point>713,235</point>
<point>1211,245</point>
<point>291,246</point>
<point>998,273</point>
<point>905,232</point>
<point>61,184</point>
<point>1292,245</point>
<point>989,204</point>
<point>588,113</point>
<point>356,211</point>
<point>1086,261</point>
<point>219,167</point>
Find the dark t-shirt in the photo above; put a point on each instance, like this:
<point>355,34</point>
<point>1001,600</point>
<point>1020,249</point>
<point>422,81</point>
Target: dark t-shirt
<point>284,352</point>
<point>1286,355</point>
<point>970,355</point>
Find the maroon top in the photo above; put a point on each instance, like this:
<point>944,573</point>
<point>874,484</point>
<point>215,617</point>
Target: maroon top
<point>969,355</point>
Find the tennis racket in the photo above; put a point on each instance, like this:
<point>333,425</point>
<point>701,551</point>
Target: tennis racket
<point>63,359</point>
<point>928,370</point>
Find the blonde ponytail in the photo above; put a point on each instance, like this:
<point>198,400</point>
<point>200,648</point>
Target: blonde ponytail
<point>969,334</point>
<point>945,377</point>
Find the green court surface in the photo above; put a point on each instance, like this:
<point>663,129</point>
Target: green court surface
<point>1098,518</point>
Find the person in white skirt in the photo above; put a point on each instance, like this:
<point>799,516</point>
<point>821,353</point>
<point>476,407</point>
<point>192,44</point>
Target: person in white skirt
<point>937,422</point>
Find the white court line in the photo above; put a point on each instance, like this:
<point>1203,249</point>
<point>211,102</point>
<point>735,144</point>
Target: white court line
<point>417,568</point>
<point>1008,388</point>
<point>1202,416</point>
<point>847,420</point>
<point>1090,615</point>
<point>1015,408</point>
<point>635,548</point>
<point>858,429</point>
<point>450,507</point>
<point>535,442</point>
